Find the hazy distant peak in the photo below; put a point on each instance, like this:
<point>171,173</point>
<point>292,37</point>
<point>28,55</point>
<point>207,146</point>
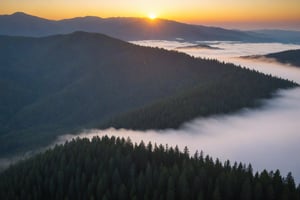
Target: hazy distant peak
<point>89,18</point>
<point>21,17</point>
<point>24,15</point>
<point>20,14</point>
<point>87,34</point>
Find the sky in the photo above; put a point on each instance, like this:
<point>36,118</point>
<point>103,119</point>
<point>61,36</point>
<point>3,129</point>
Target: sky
<point>240,14</point>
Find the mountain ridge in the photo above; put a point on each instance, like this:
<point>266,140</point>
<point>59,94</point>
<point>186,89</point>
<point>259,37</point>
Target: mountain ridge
<point>65,83</point>
<point>125,28</point>
<point>291,57</point>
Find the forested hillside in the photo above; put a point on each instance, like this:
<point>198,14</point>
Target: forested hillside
<point>290,57</point>
<point>114,168</point>
<point>221,96</point>
<point>65,83</point>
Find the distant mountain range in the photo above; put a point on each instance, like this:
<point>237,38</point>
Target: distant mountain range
<point>59,84</point>
<point>283,36</point>
<point>21,24</point>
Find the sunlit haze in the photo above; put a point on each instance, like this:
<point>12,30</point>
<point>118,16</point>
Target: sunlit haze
<point>248,14</point>
<point>152,15</point>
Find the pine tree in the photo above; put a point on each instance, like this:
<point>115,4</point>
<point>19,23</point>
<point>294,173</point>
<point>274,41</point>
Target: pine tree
<point>246,190</point>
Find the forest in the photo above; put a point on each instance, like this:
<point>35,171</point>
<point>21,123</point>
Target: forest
<point>115,168</point>
<point>226,95</point>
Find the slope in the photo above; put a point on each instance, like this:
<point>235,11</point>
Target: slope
<point>64,83</point>
<point>289,57</point>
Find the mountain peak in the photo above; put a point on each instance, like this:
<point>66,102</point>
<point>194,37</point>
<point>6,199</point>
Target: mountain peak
<point>87,34</point>
<point>20,14</point>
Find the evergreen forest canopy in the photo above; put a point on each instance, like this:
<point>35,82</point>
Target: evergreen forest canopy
<point>115,168</point>
<point>65,83</point>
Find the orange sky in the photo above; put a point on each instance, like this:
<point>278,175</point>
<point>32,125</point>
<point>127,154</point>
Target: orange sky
<point>228,13</point>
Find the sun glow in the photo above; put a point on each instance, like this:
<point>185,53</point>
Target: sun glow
<point>248,14</point>
<point>152,15</point>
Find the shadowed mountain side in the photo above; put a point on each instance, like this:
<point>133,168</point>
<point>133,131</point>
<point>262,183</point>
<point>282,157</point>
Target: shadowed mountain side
<point>63,83</point>
<point>291,57</point>
<point>199,46</point>
<point>203,100</point>
<point>21,24</point>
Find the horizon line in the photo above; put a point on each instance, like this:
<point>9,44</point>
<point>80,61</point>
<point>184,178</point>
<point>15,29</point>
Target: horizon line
<point>218,24</point>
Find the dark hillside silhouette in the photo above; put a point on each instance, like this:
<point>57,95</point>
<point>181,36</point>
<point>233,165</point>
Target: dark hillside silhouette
<point>289,57</point>
<point>65,83</point>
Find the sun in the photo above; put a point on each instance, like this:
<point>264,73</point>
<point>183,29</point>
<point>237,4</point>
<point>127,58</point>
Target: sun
<point>152,16</point>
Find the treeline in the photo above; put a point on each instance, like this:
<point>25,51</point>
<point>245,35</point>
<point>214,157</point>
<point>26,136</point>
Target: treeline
<point>114,168</point>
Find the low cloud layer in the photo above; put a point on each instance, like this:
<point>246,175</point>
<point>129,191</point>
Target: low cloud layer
<point>267,138</point>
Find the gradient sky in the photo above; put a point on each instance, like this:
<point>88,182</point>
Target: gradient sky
<point>245,14</point>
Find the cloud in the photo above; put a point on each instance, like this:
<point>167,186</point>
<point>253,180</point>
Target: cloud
<point>267,138</point>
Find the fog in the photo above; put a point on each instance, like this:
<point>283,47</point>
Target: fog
<point>232,51</point>
<point>225,50</point>
<point>266,137</point>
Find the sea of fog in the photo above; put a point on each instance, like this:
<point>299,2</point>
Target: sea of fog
<point>267,137</point>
